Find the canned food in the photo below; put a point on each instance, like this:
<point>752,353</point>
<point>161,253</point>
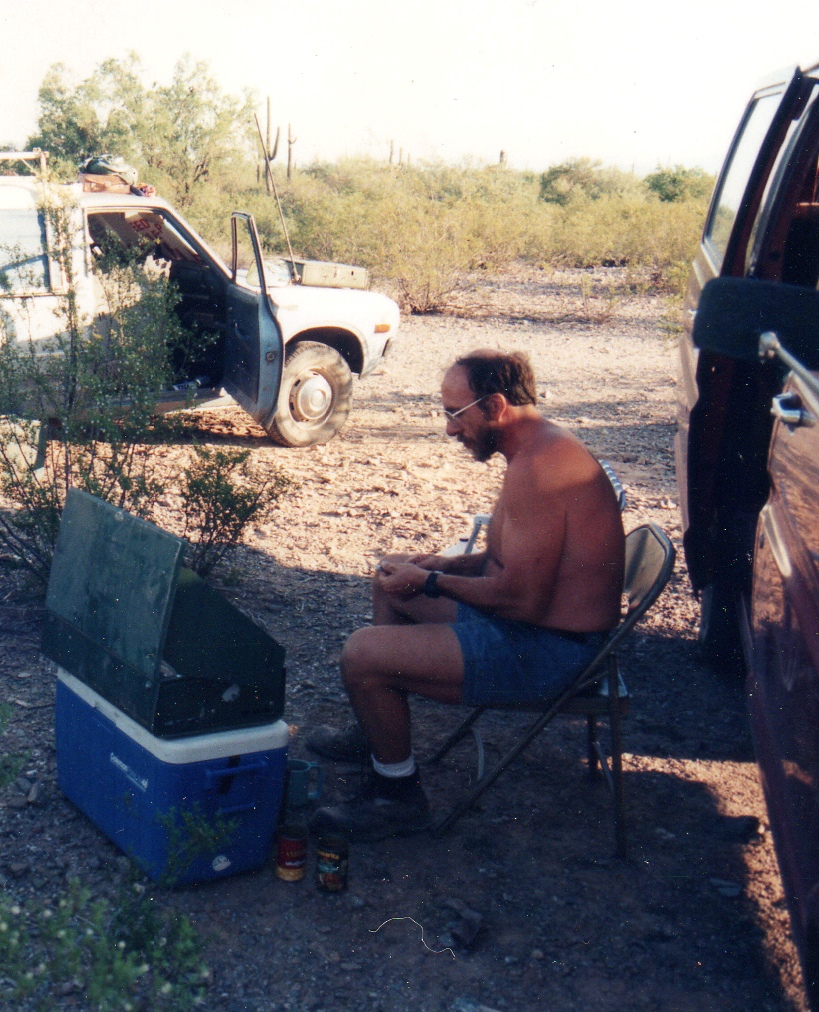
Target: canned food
<point>332,863</point>
<point>291,853</point>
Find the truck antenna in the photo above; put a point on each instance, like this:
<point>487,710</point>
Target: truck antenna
<point>278,201</point>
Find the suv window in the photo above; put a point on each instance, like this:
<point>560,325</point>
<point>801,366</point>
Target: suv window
<point>23,252</point>
<point>735,179</point>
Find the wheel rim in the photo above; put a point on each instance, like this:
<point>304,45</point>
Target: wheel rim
<point>311,398</point>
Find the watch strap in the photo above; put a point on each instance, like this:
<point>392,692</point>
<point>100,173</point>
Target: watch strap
<point>431,584</point>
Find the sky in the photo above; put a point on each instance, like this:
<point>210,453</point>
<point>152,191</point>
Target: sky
<point>636,83</point>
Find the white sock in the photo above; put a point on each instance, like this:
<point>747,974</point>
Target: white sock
<point>402,769</point>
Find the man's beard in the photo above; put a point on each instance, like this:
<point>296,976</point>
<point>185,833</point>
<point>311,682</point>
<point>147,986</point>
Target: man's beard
<point>486,445</point>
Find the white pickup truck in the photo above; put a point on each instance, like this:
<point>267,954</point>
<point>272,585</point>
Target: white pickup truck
<point>285,350</point>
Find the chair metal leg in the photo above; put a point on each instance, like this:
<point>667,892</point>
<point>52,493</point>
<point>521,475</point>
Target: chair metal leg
<point>460,732</point>
<point>620,831</point>
<point>592,748</point>
<point>443,824</point>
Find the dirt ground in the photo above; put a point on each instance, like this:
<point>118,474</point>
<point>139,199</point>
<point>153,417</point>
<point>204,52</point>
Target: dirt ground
<point>693,920</point>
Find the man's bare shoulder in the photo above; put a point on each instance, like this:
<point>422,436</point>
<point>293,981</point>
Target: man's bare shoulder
<point>551,461</point>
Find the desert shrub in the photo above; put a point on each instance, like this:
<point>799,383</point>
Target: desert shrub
<point>423,229</point>
<point>655,238</point>
<point>221,495</point>
<point>122,955</point>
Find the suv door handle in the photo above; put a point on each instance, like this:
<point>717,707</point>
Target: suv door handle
<point>787,409</point>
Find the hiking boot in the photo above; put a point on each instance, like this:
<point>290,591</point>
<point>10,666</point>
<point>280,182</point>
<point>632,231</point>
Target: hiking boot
<point>348,745</point>
<point>376,813</point>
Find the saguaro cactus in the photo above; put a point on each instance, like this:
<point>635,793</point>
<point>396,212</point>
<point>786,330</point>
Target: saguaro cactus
<point>291,140</point>
<point>270,152</point>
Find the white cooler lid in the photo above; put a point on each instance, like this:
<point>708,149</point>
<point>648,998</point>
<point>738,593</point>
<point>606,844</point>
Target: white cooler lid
<point>197,748</point>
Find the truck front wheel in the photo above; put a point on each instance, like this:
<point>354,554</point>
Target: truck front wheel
<point>315,397</point>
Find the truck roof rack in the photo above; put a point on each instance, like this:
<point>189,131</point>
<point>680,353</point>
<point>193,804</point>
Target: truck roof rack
<point>40,158</point>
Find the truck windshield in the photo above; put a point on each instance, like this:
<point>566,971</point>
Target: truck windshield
<point>735,179</point>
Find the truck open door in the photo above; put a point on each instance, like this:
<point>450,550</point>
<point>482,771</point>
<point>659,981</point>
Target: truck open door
<point>253,341</point>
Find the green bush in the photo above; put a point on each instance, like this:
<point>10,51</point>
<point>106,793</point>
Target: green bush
<point>221,495</point>
<point>121,956</point>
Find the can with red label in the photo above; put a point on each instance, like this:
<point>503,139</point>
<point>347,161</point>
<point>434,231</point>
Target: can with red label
<point>291,852</point>
<point>332,859</point>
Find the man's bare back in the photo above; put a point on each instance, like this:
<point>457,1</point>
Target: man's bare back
<point>558,515</point>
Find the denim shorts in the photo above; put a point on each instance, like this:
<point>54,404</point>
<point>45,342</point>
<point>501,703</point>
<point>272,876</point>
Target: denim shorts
<point>515,662</point>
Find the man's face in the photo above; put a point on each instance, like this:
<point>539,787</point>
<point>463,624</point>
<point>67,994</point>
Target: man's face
<point>471,427</point>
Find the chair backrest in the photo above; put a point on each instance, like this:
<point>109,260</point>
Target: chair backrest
<point>649,564</point>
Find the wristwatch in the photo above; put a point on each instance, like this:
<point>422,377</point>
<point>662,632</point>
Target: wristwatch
<point>431,585</point>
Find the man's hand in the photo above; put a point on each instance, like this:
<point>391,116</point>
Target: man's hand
<point>428,562</point>
<point>401,579</point>
<point>422,559</point>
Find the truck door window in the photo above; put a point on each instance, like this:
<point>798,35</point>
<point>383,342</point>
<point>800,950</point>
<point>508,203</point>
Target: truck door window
<point>735,180</point>
<point>24,266</point>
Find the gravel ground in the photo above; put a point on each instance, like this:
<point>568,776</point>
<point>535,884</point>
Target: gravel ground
<point>694,919</point>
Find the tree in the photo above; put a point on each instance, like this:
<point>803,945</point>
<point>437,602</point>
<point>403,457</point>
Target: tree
<point>582,179</point>
<point>680,183</point>
<point>190,129</point>
<point>180,134</point>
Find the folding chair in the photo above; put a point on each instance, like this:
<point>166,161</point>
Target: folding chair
<point>597,690</point>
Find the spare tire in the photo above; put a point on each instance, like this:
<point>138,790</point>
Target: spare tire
<point>315,396</point>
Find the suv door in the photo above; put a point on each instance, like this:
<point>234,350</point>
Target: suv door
<point>723,427</point>
<point>253,342</point>
<point>783,685</point>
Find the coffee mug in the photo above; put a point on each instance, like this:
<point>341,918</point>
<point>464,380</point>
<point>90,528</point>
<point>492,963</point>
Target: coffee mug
<point>299,776</point>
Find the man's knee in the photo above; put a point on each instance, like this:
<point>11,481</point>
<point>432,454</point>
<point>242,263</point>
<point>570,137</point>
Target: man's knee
<point>356,659</point>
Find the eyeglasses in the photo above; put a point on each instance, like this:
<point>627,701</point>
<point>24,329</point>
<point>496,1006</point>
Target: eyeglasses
<point>453,415</point>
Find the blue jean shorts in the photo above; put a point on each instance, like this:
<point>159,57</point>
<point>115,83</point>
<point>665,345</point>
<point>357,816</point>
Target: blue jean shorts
<point>515,662</point>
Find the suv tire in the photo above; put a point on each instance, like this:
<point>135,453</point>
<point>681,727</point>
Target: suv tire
<point>315,396</point>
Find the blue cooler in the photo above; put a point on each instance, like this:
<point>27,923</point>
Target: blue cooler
<point>191,809</point>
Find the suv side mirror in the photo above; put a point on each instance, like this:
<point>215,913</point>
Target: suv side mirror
<point>733,313</point>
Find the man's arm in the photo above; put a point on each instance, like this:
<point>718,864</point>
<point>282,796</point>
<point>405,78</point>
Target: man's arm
<point>519,585</point>
<point>462,565</point>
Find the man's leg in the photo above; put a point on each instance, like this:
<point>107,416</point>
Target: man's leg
<point>380,665</point>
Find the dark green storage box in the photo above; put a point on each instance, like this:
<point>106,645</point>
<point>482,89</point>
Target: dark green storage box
<point>150,636</point>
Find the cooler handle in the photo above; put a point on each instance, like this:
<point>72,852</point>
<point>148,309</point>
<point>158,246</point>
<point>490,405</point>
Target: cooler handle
<point>212,777</point>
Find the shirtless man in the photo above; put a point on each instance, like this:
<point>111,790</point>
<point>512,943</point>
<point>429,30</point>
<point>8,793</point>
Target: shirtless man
<point>514,623</point>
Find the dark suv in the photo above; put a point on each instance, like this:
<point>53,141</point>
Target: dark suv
<point>748,460</point>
